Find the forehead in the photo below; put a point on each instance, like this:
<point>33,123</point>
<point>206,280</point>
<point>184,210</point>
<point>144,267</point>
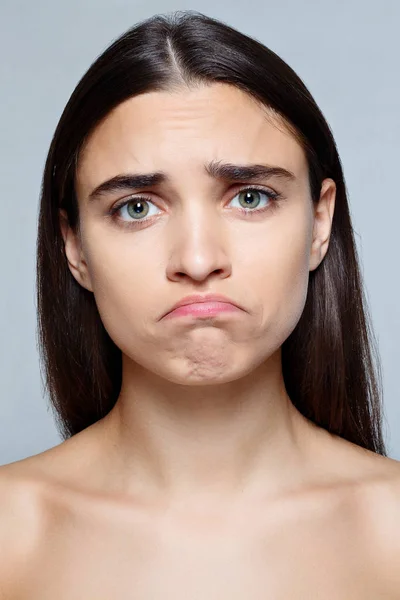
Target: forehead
<point>178,132</point>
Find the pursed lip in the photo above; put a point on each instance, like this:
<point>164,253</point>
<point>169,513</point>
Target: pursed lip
<point>199,298</point>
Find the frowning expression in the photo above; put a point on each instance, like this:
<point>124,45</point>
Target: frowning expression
<point>199,190</point>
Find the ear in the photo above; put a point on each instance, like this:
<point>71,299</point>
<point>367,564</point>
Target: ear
<point>73,250</point>
<point>323,216</point>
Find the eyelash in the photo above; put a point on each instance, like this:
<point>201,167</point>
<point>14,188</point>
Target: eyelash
<point>274,198</point>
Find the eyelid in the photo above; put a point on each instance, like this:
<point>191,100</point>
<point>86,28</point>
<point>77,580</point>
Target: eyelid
<point>126,199</point>
<point>255,186</point>
<point>237,189</point>
<point>272,194</point>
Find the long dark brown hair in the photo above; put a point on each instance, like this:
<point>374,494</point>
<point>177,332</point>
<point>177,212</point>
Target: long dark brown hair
<point>330,363</point>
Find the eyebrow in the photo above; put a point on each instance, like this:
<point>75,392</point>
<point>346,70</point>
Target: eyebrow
<point>216,169</point>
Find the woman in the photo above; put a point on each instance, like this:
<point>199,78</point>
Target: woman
<point>205,340</point>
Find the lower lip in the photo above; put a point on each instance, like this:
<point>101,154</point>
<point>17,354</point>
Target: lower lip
<point>203,309</point>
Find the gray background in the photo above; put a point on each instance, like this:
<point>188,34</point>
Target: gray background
<point>347,52</point>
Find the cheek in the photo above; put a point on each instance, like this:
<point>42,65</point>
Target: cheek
<point>280,275</point>
<point>270,276</point>
<point>125,286</point>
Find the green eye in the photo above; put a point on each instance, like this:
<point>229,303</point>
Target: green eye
<point>137,208</point>
<point>251,197</point>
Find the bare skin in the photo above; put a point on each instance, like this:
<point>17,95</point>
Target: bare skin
<point>67,537</point>
<point>204,481</point>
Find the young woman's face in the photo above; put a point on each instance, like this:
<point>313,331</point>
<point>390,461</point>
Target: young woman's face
<point>194,232</point>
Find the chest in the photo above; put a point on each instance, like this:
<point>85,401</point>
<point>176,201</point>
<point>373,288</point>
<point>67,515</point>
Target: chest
<point>204,559</point>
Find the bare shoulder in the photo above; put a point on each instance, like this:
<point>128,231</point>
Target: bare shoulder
<point>32,489</point>
<point>25,488</point>
<point>381,508</point>
<point>376,512</point>
<point>19,523</point>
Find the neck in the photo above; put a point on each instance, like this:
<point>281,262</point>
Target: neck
<point>241,436</point>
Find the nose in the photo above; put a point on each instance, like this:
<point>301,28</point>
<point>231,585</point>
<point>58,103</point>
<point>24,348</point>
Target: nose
<point>200,248</point>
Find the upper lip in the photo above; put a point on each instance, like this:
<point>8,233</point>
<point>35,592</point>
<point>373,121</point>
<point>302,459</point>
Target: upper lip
<point>203,298</point>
